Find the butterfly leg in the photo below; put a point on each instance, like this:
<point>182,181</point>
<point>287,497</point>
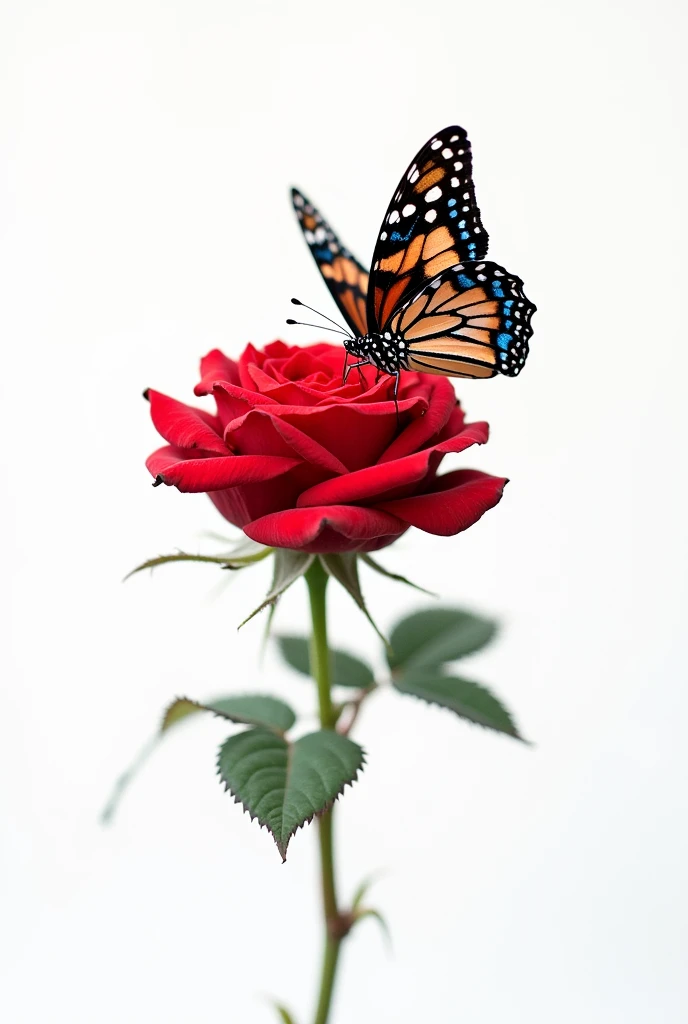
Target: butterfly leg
<point>354,366</point>
<point>397,375</point>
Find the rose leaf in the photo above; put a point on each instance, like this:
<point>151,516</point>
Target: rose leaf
<point>346,669</point>
<point>434,636</point>
<point>283,784</point>
<point>468,700</point>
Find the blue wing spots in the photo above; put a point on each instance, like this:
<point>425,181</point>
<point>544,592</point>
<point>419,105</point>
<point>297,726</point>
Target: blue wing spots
<point>323,254</point>
<point>497,290</point>
<point>465,282</point>
<point>452,202</point>
<point>464,235</point>
<point>452,213</point>
<point>462,223</point>
<point>502,355</point>
<point>471,248</point>
<point>508,324</point>
<point>396,237</point>
<point>504,340</point>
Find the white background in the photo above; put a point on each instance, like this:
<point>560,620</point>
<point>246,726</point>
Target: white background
<point>146,151</point>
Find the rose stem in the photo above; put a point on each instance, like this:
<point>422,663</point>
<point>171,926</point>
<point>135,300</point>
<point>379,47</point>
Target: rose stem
<point>316,578</point>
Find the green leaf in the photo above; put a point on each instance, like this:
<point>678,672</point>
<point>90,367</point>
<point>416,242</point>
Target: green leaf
<point>346,669</point>
<point>288,567</point>
<point>469,700</point>
<point>284,1014</point>
<point>344,568</point>
<point>283,784</point>
<point>248,709</point>
<point>369,912</point>
<point>437,635</point>
<point>244,553</point>
<point>393,575</point>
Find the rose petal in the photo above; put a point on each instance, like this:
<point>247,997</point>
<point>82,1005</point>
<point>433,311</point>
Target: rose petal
<point>173,467</point>
<point>329,529</point>
<point>260,431</point>
<point>216,367</point>
<point>441,399</point>
<point>185,427</point>
<point>457,502</point>
<point>381,480</point>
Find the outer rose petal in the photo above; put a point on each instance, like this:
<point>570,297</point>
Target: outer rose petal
<point>185,427</point>
<point>216,366</point>
<point>458,501</point>
<point>378,481</point>
<point>173,467</point>
<point>441,403</point>
<point>327,529</point>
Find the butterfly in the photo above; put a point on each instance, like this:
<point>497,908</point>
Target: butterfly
<point>431,302</point>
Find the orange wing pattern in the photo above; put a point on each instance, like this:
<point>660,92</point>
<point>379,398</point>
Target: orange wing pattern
<point>470,321</point>
<point>433,223</point>
<point>343,274</point>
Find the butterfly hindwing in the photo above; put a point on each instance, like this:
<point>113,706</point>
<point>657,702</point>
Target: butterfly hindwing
<point>432,223</point>
<point>472,320</point>
<point>343,274</point>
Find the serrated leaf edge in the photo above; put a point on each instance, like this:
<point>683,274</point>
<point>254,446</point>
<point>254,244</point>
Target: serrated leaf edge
<point>471,721</point>
<point>283,846</point>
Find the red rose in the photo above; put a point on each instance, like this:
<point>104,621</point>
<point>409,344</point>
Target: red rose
<point>299,460</point>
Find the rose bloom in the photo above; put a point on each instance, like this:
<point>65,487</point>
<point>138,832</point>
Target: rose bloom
<point>297,459</point>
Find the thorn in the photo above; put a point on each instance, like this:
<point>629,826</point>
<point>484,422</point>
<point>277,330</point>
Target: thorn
<point>158,480</point>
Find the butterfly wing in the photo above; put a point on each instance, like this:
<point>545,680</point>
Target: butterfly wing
<point>343,274</point>
<point>432,223</point>
<point>472,320</point>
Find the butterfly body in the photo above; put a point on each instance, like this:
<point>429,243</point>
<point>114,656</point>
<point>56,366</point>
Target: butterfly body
<point>431,302</point>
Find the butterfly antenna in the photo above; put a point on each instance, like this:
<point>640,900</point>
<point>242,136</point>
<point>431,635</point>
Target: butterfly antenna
<point>319,327</point>
<point>297,302</point>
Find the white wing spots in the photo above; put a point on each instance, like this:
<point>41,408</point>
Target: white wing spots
<point>480,266</point>
<point>320,234</point>
<point>460,152</point>
<point>454,138</point>
<point>397,197</point>
<point>430,216</point>
<point>454,183</point>
<point>433,194</point>
<point>482,277</point>
<point>413,174</point>
<point>388,336</point>
<point>458,165</point>
<point>383,236</point>
<point>465,209</point>
<point>309,236</point>
<point>466,195</point>
<point>447,153</point>
<point>408,210</point>
<point>298,200</point>
<point>498,273</point>
<point>435,144</point>
<point>393,217</point>
<point>476,230</point>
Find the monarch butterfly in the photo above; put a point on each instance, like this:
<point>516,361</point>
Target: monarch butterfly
<point>431,301</point>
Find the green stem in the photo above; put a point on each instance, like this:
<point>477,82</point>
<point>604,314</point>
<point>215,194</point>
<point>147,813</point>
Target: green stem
<point>316,578</point>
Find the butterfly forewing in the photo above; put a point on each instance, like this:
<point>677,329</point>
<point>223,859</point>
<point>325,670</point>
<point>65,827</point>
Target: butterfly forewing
<point>472,320</point>
<point>431,224</point>
<point>343,274</point>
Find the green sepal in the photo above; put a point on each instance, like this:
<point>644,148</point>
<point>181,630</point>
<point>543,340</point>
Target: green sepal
<point>289,566</point>
<point>344,568</point>
<point>347,670</point>
<point>284,785</point>
<point>468,700</point>
<point>393,575</point>
<point>434,636</point>
<point>243,554</point>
